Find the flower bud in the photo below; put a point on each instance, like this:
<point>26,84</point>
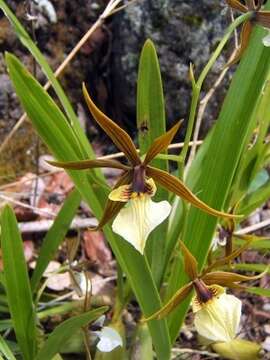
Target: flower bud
<point>238,350</point>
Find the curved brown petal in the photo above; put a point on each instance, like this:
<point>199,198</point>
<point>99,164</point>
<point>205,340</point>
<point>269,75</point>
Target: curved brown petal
<point>244,39</point>
<point>120,138</point>
<point>176,186</point>
<point>190,263</point>
<point>228,279</point>
<point>178,297</point>
<point>161,143</point>
<point>90,164</point>
<point>237,5</point>
<point>263,18</point>
<point>112,208</point>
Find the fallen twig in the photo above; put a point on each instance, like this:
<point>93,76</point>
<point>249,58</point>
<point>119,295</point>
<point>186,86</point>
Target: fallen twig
<point>253,228</point>
<point>44,225</point>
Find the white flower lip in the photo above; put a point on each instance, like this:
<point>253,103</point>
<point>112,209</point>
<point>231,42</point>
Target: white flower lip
<point>109,339</point>
<point>218,319</point>
<point>140,216</point>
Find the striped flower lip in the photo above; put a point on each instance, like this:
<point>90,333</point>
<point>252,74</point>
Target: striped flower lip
<point>217,318</point>
<point>137,181</point>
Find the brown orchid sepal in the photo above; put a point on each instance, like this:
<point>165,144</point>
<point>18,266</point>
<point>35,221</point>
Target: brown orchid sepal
<point>90,164</point>
<point>176,186</point>
<point>207,285</point>
<point>257,17</point>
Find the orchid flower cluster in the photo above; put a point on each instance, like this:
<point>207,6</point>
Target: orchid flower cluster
<point>136,215</point>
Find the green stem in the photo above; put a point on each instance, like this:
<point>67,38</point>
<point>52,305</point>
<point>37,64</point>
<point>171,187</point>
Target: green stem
<point>196,87</point>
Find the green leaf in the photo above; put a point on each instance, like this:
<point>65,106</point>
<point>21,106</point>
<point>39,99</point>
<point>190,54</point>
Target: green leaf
<point>5,324</point>
<point>262,244</point>
<point>251,267</point>
<point>258,291</point>
<point>250,173</point>
<point>234,125</point>
<point>150,101</point>
<point>63,332</point>
<point>254,200</point>
<point>5,350</point>
<point>55,236</point>
<point>151,124</point>
<point>18,285</point>
<point>260,179</point>
<point>51,125</point>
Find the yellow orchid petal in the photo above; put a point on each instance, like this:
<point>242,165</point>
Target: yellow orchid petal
<point>124,193</point>
<point>151,187</point>
<point>218,319</point>
<point>138,218</point>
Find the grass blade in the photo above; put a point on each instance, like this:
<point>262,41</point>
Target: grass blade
<point>252,267</point>
<point>259,291</point>
<point>5,350</point>
<point>18,285</point>
<point>55,236</point>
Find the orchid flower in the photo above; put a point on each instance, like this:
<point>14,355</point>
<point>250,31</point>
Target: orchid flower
<point>109,339</point>
<point>258,17</point>
<point>217,314</point>
<point>130,200</point>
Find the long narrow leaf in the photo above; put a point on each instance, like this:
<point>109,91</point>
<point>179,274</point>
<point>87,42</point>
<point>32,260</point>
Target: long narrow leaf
<point>5,350</point>
<point>18,285</point>
<point>151,124</point>
<point>55,236</point>
<point>259,291</point>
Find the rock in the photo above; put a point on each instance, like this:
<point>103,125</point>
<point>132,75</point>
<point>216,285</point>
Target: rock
<point>183,32</point>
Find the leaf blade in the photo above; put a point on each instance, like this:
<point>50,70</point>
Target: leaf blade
<point>17,284</point>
